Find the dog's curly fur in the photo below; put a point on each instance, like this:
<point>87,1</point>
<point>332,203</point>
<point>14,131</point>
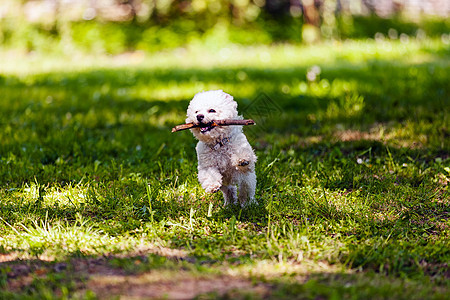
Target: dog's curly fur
<point>225,157</point>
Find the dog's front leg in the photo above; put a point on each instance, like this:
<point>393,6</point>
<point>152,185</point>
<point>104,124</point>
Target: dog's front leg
<point>210,179</point>
<point>247,187</point>
<point>229,194</point>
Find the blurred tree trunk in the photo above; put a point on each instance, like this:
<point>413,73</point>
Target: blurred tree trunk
<point>311,13</point>
<point>56,11</point>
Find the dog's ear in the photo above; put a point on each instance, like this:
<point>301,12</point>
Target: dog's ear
<point>233,104</point>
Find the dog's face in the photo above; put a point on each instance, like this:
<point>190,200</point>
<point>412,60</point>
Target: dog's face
<point>208,106</point>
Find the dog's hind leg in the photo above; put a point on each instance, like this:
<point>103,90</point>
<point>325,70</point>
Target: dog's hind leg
<point>247,187</point>
<point>229,194</point>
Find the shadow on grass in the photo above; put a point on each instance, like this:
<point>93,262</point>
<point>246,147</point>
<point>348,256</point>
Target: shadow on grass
<point>106,106</point>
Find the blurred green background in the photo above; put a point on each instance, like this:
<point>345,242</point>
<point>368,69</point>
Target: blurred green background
<point>117,26</point>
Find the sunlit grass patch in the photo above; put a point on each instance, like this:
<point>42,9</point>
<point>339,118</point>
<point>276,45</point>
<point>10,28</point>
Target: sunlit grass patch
<point>234,56</point>
<point>56,239</point>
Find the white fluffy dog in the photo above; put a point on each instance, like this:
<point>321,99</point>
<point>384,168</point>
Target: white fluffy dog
<point>225,158</point>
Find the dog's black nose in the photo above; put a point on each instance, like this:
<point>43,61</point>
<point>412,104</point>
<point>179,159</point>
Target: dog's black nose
<point>200,117</point>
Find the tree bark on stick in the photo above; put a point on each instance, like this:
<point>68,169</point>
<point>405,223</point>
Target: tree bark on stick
<point>214,123</point>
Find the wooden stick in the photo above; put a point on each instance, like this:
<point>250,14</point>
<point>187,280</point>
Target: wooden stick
<point>213,123</point>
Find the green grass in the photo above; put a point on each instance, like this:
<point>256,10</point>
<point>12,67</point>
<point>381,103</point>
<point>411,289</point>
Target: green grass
<point>99,199</point>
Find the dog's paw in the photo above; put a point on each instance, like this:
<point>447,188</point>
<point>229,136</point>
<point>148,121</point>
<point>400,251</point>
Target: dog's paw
<point>243,162</point>
<point>251,202</point>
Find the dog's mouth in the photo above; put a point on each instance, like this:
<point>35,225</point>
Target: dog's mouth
<point>204,128</point>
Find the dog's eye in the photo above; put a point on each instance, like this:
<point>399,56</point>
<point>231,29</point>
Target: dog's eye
<point>211,111</point>
<point>196,111</point>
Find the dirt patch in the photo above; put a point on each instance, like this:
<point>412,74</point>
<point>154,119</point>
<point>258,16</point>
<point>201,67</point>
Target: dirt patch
<point>107,280</point>
<point>381,135</point>
<point>147,275</point>
<point>356,135</point>
<point>161,284</point>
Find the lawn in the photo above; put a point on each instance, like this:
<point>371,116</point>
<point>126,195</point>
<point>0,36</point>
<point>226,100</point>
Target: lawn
<point>100,200</point>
